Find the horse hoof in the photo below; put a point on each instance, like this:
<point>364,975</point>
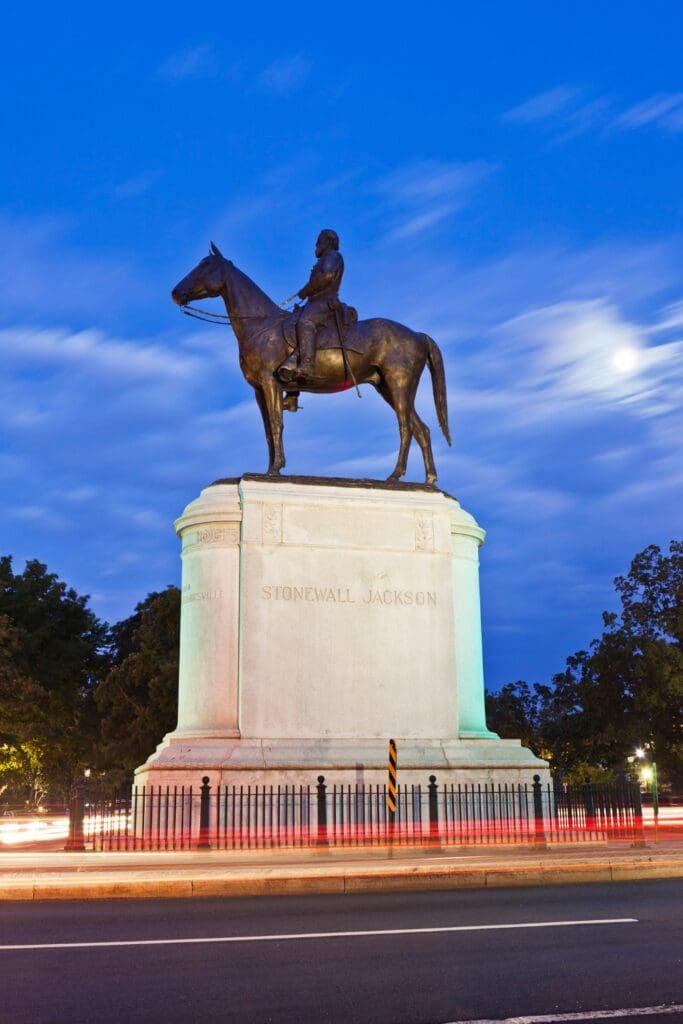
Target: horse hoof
<point>394,478</point>
<point>430,479</point>
<point>273,472</point>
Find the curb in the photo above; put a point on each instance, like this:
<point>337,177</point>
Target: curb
<point>304,882</point>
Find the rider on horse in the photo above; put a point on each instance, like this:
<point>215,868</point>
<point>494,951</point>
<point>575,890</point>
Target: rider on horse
<point>386,354</point>
<point>322,295</point>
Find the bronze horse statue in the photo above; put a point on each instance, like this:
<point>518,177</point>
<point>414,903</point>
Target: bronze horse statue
<point>380,352</point>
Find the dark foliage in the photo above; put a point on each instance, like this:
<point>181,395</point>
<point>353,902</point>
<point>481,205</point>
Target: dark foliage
<point>625,691</point>
<point>51,660</point>
<point>137,699</point>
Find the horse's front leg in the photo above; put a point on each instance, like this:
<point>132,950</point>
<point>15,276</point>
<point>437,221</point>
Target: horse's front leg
<point>261,402</point>
<point>272,395</point>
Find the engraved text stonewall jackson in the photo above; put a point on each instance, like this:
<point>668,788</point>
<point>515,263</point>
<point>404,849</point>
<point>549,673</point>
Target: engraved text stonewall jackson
<point>345,595</point>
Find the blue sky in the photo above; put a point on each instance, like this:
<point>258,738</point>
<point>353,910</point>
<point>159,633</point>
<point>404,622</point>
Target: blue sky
<point>504,177</point>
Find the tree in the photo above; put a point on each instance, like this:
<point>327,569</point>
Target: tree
<point>51,659</point>
<point>514,712</point>
<point>21,773</point>
<point>138,697</point>
<point>625,691</point>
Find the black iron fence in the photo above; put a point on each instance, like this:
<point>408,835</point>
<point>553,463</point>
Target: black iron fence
<point>251,817</point>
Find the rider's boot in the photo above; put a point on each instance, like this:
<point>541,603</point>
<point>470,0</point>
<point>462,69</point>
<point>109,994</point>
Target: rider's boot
<point>290,403</point>
<point>306,351</point>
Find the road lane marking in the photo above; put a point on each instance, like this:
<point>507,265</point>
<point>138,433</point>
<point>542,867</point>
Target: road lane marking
<point>551,1018</point>
<point>317,935</point>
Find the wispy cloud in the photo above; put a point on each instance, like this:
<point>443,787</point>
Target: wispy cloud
<point>130,188</point>
<point>49,276</point>
<point>671,317</point>
<point>545,105</point>
<point>110,427</point>
<point>282,77</point>
<point>664,110</point>
<point>407,203</point>
<point>93,352</point>
<point>427,192</point>
<point>286,74</point>
<point>587,351</point>
<point>566,111</point>
<point>41,515</point>
<point>191,63</point>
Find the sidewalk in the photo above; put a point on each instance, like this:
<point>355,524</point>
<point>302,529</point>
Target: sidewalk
<point>282,872</point>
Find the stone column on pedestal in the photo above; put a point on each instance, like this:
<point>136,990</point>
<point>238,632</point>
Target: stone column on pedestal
<point>208,699</point>
<point>466,539</point>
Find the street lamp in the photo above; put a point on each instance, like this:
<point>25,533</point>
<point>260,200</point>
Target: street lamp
<point>648,775</point>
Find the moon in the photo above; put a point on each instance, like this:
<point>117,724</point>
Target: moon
<point>625,359</point>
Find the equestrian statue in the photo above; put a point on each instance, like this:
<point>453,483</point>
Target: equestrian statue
<point>320,347</point>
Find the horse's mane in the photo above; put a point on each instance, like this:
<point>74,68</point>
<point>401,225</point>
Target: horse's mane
<point>247,295</point>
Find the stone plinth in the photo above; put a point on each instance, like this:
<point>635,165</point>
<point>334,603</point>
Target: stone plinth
<point>319,618</point>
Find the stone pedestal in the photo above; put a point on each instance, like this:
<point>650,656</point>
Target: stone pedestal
<point>320,618</point>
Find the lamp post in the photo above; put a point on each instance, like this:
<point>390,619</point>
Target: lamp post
<point>76,839</point>
<point>649,776</point>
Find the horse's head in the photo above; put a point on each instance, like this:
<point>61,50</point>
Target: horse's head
<point>204,282</point>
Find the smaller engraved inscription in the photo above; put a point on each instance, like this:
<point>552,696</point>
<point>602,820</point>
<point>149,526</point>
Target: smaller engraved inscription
<point>424,533</point>
<point>272,524</point>
<point>218,535</point>
<point>190,597</point>
<point>212,537</point>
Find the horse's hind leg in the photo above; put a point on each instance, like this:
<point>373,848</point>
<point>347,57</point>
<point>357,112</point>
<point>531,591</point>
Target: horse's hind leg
<point>423,438</point>
<point>401,401</point>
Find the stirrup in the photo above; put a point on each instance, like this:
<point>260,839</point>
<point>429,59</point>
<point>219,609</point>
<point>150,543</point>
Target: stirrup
<point>290,402</point>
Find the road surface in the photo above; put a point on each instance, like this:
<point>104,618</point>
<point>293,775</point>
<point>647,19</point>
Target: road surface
<point>386,959</point>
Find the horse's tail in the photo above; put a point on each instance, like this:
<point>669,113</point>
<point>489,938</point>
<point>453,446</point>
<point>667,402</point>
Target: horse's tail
<point>435,363</point>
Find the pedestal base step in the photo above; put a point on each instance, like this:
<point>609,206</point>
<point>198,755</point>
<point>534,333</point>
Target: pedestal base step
<point>184,760</point>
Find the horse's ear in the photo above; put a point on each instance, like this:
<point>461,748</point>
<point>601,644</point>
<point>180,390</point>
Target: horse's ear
<point>215,250</point>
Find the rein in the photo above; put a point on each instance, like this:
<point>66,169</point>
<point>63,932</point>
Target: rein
<point>218,319</point>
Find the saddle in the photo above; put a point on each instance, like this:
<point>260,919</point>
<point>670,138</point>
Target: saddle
<point>327,336</point>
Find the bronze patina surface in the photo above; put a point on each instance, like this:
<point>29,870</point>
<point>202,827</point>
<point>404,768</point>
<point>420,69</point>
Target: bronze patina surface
<point>321,293</point>
<point>380,352</point>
